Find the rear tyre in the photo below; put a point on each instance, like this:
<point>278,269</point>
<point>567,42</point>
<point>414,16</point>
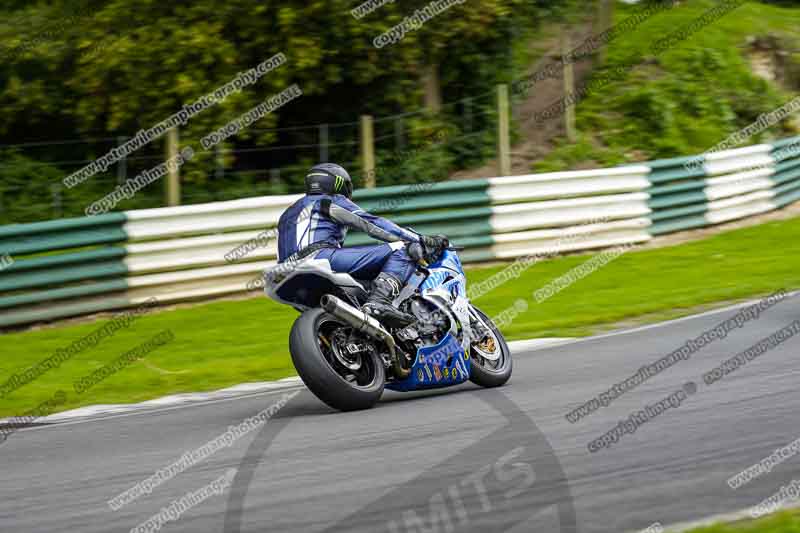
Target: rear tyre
<point>491,358</point>
<point>342,381</point>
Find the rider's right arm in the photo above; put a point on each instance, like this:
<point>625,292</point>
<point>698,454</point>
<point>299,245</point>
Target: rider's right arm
<point>340,215</point>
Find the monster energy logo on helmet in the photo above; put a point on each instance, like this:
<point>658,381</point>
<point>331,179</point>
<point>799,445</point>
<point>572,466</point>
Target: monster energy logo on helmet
<point>328,178</point>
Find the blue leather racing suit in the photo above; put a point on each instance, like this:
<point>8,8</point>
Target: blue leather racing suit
<point>321,221</point>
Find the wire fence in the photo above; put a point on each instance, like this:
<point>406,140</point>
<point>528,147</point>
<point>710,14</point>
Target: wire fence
<point>31,174</point>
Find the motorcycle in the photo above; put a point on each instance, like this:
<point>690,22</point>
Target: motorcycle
<point>347,357</point>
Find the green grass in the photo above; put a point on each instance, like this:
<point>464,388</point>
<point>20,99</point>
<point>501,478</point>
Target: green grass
<point>786,522</point>
<point>686,99</point>
<point>228,342</point>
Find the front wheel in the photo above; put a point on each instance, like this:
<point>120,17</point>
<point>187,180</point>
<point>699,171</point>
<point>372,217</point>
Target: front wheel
<point>343,381</point>
<point>491,358</point>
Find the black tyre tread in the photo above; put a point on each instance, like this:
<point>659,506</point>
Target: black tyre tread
<point>481,376</point>
<point>319,377</point>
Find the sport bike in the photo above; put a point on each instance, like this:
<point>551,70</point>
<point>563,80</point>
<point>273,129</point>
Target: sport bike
<point>347,357</point>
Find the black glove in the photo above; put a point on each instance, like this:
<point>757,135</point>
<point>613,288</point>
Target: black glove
<point>433,247</point>
<point>416,252</point>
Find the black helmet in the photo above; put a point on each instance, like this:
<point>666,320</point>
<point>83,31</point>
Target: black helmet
<point>328,178</point>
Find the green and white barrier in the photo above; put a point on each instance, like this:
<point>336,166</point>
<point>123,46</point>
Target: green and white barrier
<point>85,265</point>
<point>567,211</point>
<point>786,178</point>
<point>700,191</point>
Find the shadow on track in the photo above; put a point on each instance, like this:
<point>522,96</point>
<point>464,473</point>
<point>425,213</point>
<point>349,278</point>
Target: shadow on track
<point>501,481</point>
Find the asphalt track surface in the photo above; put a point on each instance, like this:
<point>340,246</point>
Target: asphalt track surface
<point>462,459</point>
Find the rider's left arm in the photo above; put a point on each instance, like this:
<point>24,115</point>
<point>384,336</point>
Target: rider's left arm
<point>395,232</point>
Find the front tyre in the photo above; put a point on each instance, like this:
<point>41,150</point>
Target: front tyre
<point>491,358</point>
<point>342,381</point>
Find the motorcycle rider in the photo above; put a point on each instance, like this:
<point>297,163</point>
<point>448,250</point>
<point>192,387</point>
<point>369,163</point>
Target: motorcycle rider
<point>318,223</point>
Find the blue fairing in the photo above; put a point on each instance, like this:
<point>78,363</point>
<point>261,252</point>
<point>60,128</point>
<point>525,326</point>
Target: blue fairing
<point>442,365</point>
<point>446,363</point>
<point>448,273</point>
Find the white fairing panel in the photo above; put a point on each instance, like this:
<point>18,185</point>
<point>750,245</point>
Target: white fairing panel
<point>282,274</point>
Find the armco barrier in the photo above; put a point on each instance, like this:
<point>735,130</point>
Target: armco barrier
<point>695,192</point>
<point>77,266</point>
<point>786,178</point>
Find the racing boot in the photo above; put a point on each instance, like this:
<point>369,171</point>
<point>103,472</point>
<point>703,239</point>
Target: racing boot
<point>385,289</point>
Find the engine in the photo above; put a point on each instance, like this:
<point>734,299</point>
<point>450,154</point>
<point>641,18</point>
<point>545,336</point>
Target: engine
<point>434,321</point>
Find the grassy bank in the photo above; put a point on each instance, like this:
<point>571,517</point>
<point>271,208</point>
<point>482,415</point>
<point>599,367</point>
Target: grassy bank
<point>689,97</point>
<point>224,343</point>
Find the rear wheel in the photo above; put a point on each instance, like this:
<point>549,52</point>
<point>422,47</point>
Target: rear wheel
<point>344,381</point>
<point>491,358</point>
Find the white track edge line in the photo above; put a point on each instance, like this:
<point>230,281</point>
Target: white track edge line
<point>725,518</point>
<point>149,406</point>
<point>97,412</point>
<point>679,320</point>
<point>136,412</point>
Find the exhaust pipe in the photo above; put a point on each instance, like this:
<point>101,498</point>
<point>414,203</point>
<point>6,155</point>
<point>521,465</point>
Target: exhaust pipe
<point>365,324</point>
